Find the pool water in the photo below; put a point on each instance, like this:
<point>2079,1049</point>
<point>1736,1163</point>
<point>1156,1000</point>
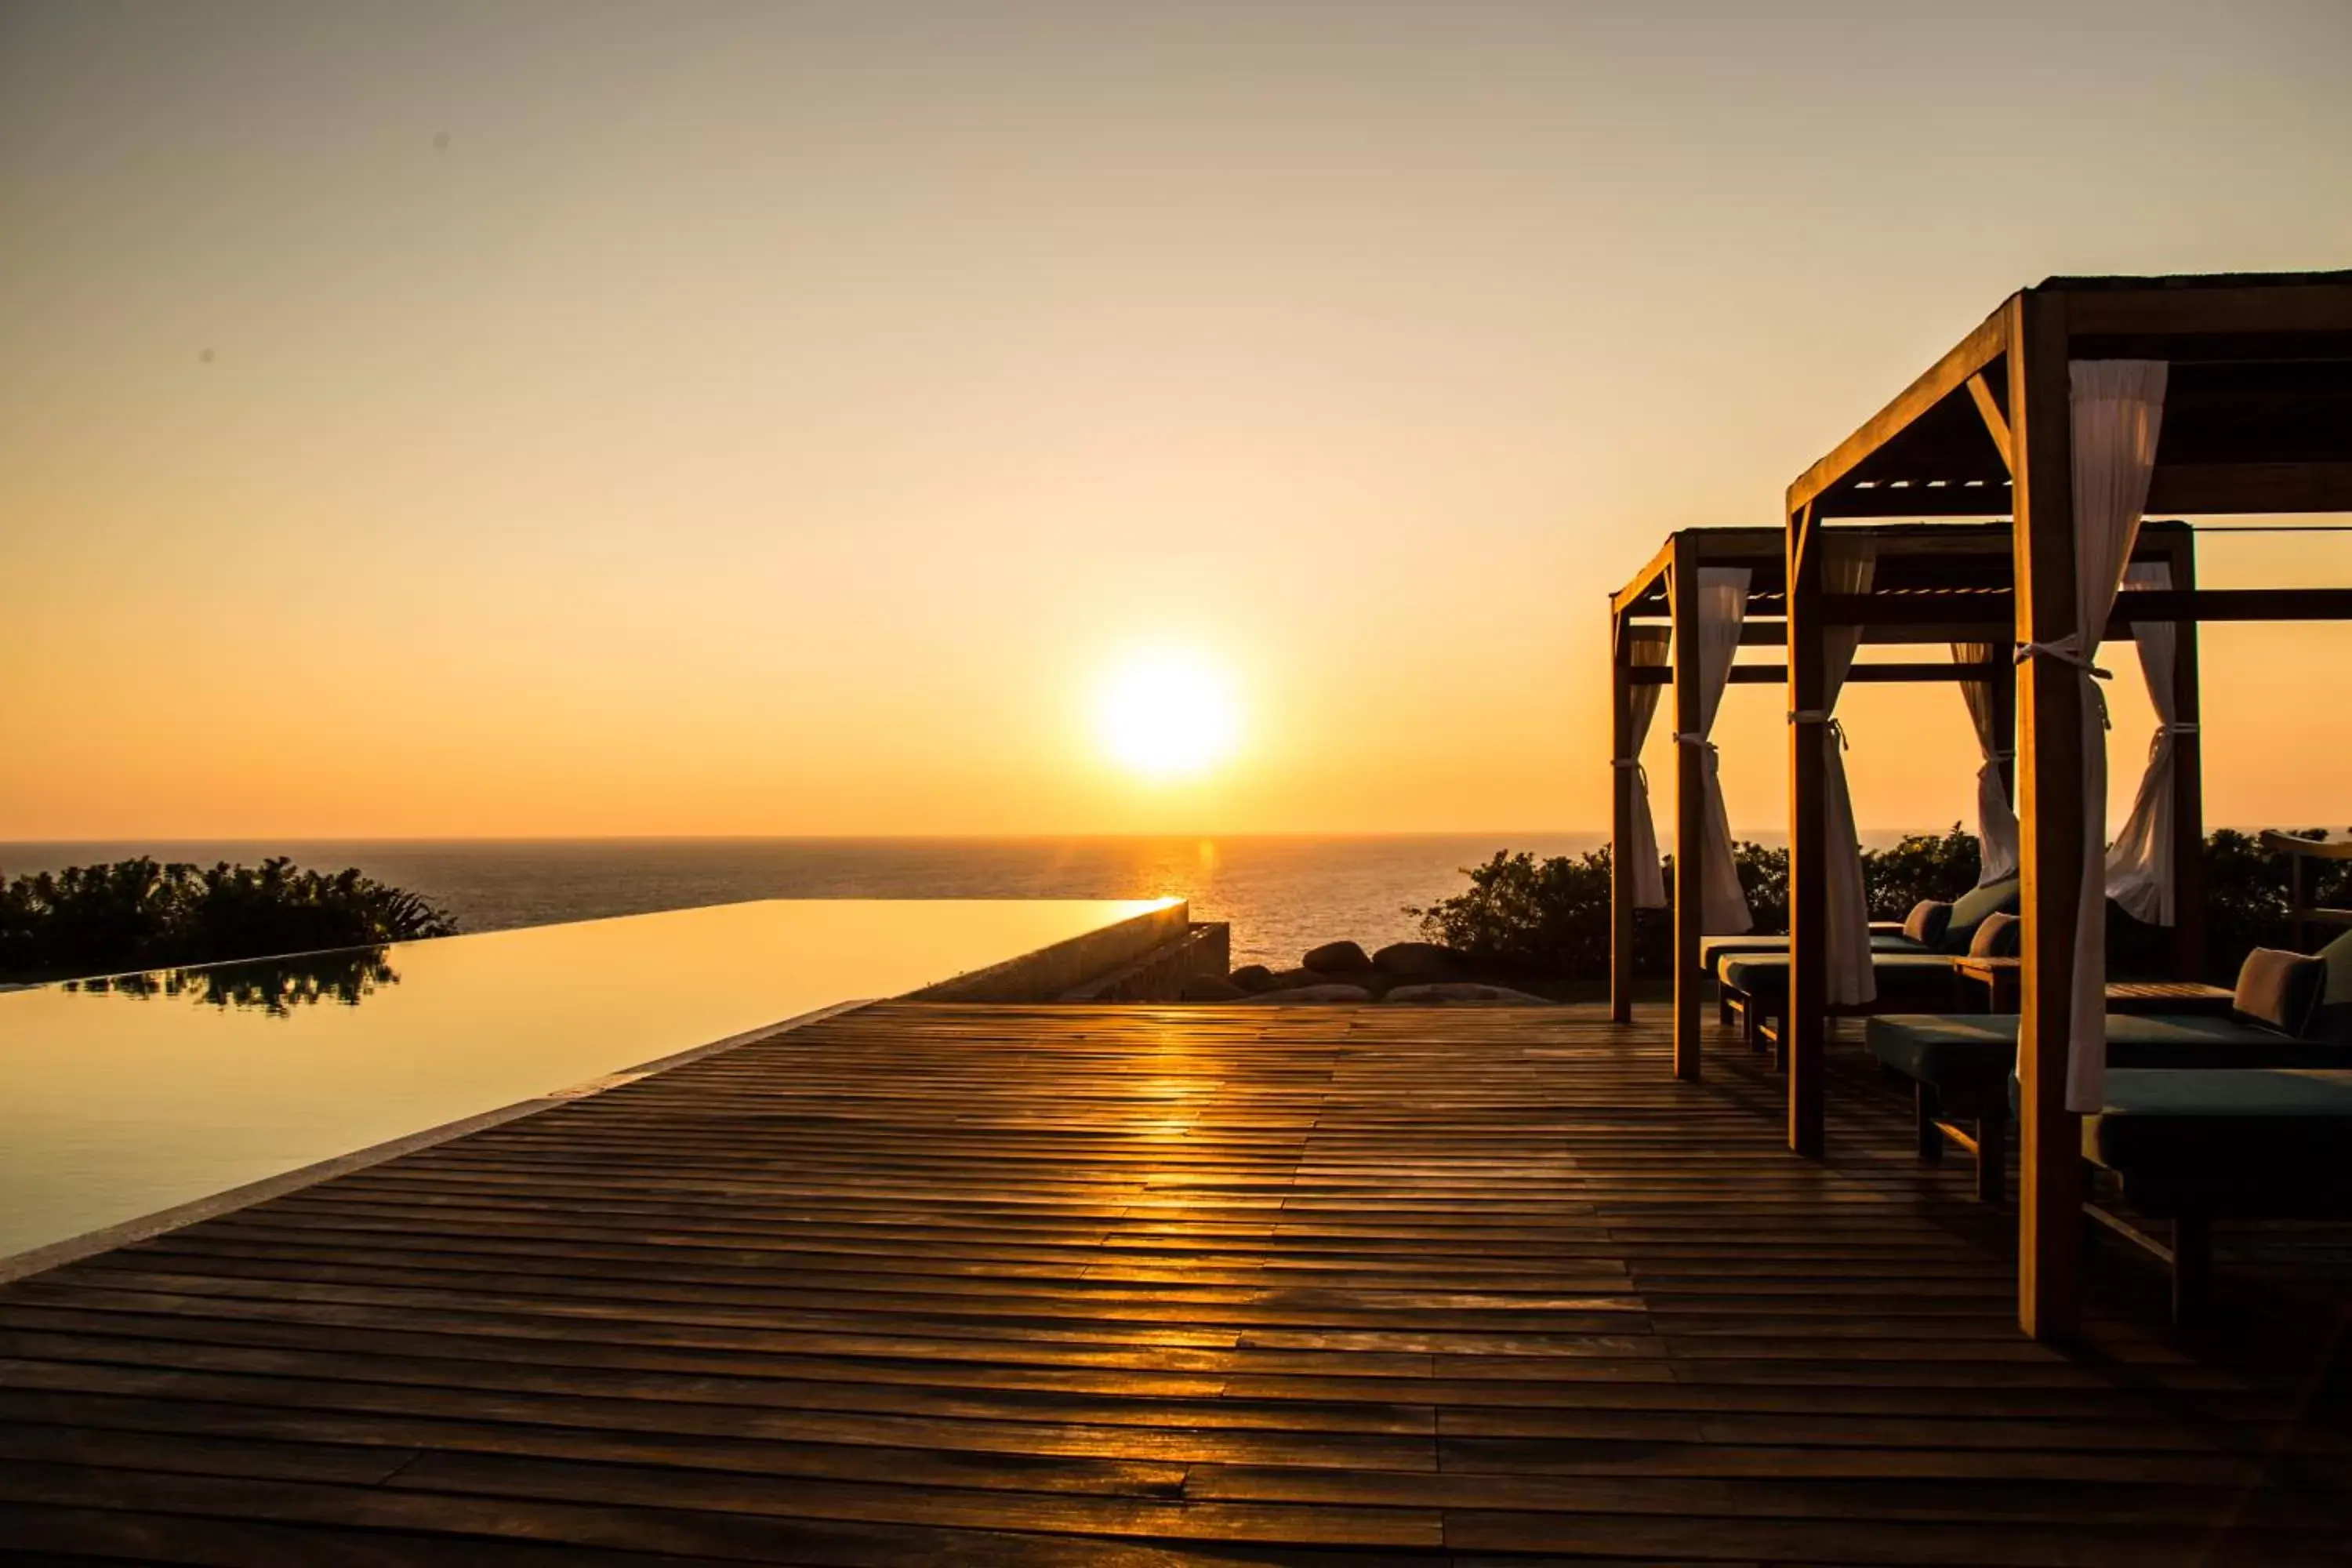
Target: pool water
<point>124,1097</point>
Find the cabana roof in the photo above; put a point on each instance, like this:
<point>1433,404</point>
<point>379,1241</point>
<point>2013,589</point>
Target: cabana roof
<point>1935,582</point>
<point>2258,415</point>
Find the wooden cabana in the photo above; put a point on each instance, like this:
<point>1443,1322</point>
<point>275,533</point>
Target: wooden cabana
<point>1931,584</point>
<point>2076,406</point>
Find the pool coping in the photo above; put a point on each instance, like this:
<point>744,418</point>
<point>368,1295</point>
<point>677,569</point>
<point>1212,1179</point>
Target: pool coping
<point>55,1253</point>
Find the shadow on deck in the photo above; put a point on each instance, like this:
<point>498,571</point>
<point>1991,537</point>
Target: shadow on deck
<point>1077,1286</point>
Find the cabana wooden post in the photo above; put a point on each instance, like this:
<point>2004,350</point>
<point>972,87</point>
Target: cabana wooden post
<point>2257,418</point>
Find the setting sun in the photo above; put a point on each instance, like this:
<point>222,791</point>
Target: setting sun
<point>1168,715</point>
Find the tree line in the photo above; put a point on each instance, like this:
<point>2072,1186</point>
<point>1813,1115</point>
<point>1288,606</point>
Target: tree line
<point>1551,916</point>
<point>142,914</point>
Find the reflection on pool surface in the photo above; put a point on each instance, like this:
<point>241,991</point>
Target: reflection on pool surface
<point>122,1097</point>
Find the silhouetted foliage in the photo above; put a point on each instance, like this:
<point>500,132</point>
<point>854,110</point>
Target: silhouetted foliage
<point>141,914</point>
<point>274,986</point>
<point>1923,866</point>
<point>1552,915</point>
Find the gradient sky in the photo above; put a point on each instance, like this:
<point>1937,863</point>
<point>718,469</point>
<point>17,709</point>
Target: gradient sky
<point>730,418</point>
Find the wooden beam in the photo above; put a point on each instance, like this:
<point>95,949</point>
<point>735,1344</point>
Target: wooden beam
<point>1946,376</point>
<point>1650,576</point>
<point>2188,782</point>
<point>2251,488</point>
<point>1996,420</point>
<point>1807,1023</point>
<point>2050,819</point>
<point>1621,827</point>
<point>1948,499</point>
<point>1923,671</point>
<point>2253,307</point>
<point>1691,981</point>
<point>2205,489</point>
<point>1878,611</point>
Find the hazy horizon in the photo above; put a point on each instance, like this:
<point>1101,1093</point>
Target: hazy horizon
<point>589,420</point>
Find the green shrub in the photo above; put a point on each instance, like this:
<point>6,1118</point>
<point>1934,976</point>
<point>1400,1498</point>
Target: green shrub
<point>1552,916</point>
<point>141,914</point>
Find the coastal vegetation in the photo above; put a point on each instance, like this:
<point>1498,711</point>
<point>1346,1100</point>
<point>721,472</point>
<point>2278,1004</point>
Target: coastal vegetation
<point>143,915</point>
<point>1550,916</point>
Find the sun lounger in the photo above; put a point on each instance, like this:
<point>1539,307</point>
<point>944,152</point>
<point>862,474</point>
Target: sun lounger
<point>1962,1064</point>
<point>1911,961</point>
<point>1952,932</point>
<point>2193,1145</point>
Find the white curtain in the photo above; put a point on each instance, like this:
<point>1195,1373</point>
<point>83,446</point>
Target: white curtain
<point>1645,647</point>
<point>2139,862</point>
<point>1996,820</point>
<point>2118,409</point>
<point>1847,568</point>
<point>1722,607</point>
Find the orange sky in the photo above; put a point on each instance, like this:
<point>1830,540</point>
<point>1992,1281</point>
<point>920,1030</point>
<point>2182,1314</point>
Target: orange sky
<point>577,419</point>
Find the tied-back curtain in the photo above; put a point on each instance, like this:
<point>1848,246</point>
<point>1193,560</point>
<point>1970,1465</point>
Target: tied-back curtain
<point>1645,647</point>
<point>1847,568</point>
<point>1722,608</point>
<point>1996,818</point>
<point>2139,862</point>
<point>2117,414</point>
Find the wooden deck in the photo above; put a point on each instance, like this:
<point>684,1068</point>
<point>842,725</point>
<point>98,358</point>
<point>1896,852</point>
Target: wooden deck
<point>930,1285</point>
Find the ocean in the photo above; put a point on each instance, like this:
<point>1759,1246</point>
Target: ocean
<point>1282,894</point>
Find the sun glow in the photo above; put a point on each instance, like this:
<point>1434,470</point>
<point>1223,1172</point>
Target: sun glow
<point>1168,715</point>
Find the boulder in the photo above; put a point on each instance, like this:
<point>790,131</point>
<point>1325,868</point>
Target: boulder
<point>1337,958</point>
<point>1252,977</point>
<point>1290,979</point>
<point>1209,988</point>
<point>1456,993</point>
<point>1326,993</point>
<point>1417,959</point>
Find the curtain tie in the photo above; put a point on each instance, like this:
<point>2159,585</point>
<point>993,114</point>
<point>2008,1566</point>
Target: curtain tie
<point>2001,756</point>
<point>2067,649</point>
<point>1694,737</point>
<point>2165,733</point>
<point>1633,763</point>
<point>1830,726</point>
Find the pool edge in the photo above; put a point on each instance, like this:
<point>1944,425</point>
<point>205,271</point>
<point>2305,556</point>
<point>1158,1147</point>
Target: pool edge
<point>88,1244</point>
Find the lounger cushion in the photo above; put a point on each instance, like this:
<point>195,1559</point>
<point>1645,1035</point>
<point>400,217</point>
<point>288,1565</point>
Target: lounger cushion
<point>1928,921</point>
<point>2001,936</point>
<point>1714,950</point>
<point>2224,1129</point>
<point>1974,1052</point>
<point>1917,980</point>
<point>2281,989</point>
<point>2332,1021</point>
<point>1970,909</point>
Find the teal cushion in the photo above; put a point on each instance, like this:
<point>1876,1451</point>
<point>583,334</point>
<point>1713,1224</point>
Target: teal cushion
<point>1714,950</point>
<point>2281,989</point>
<point>1969,909</point>
<point>1959,1053</point>
<point>1999,936</point>
<point>1962,1049</point>
<point>1905,979</point>
<point>1928,921</point>
<point>2332,1020</point>
<point>2233,1126</point>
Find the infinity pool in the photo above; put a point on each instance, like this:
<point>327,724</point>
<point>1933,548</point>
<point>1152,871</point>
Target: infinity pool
<point>122,1098</point>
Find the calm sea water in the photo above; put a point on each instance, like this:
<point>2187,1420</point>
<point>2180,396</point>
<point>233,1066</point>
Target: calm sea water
<point>1282,894</point>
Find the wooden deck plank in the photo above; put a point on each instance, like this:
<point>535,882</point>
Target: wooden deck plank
<point>1097,1285</point>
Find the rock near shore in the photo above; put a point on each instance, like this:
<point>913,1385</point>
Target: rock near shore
<point>1337,958</point>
